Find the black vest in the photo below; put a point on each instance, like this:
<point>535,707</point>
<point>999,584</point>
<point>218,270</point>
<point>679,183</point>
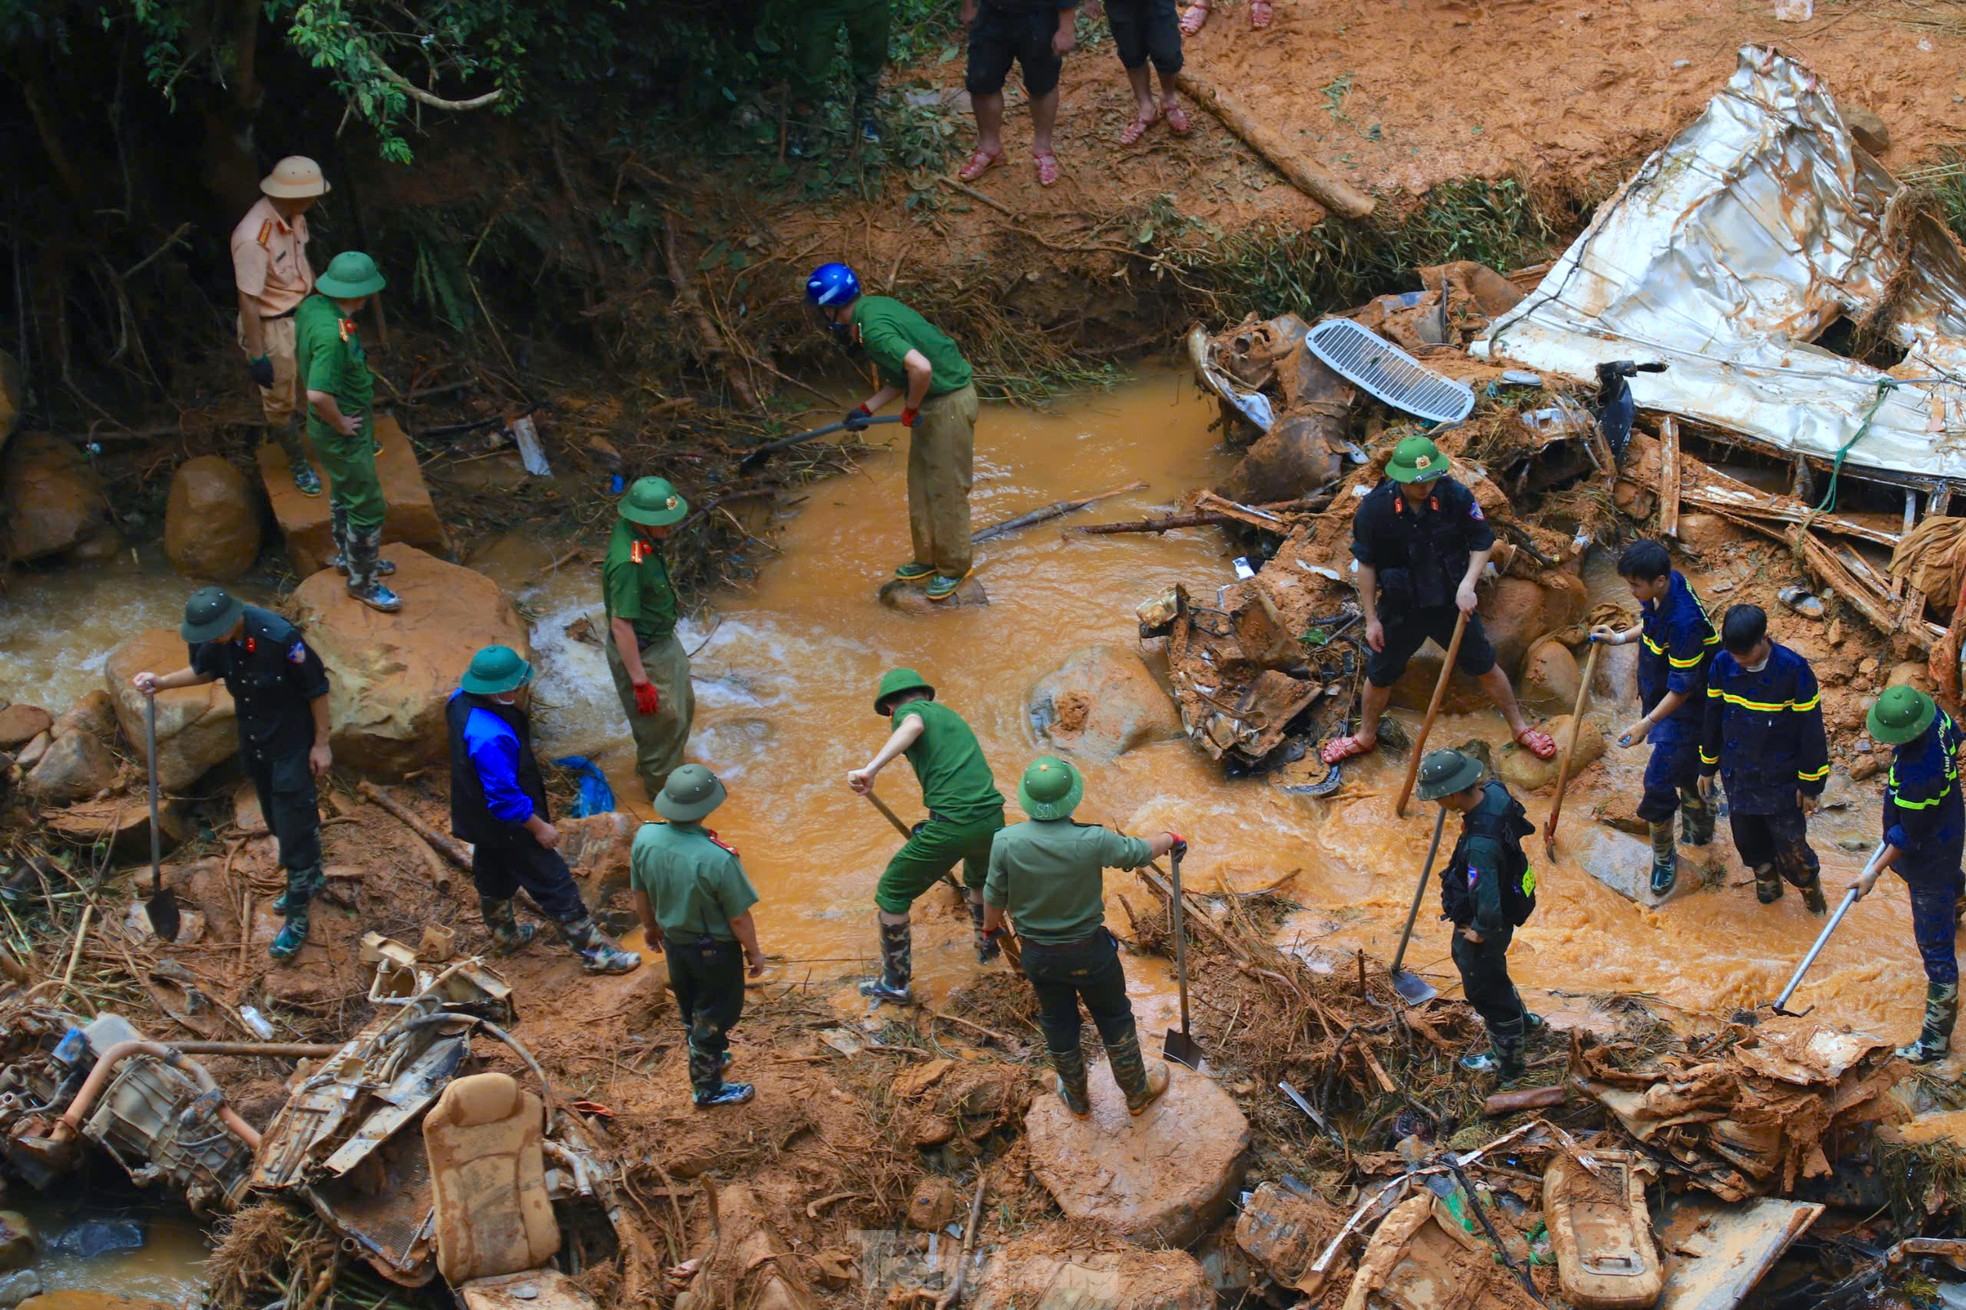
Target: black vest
<point>470,819</point>
<point>1501,818</point>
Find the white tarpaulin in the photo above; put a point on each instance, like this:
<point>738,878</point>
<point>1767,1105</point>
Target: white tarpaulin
<point>1732,249</point>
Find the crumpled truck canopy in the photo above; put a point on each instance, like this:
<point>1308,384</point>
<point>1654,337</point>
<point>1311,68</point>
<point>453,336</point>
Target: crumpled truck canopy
<point>1735,247</point>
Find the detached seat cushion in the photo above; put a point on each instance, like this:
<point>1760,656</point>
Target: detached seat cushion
<point>483,1137</point>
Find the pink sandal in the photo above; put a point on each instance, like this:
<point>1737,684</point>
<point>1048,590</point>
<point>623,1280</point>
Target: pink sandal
<point>1340,749</point>
<point>1136,129</point>
<point>1196,17</point>
<point>979,163</point>
<point>1047,166</point>
<point>1260,14</point>
<point>1537,743</point>
<point>1177,119</point>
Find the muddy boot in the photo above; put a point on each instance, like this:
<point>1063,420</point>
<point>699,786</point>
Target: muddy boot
<point>1503,1058</point>
<point>1695,819</point>
<point>306,480</point>
<point>1767,884</point>
<point>1138,1080</point>
<point>597,954</point>
<point>987,948</point>
<point>302,887</point>
<point>364,566</point>
<point>1071,1085</point>
<point>338,524</point>
<point>508,935</point>
<point>1665,858</point>
<point>897,965</point>
<point>1812,895</point>
<point>1935,1038</point>
<point>726,1094</point>
<point>866,115</point>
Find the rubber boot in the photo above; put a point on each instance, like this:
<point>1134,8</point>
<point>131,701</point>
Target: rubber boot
<point>306,480</point>
<point>302,887</point>
<point>1665,858</point>
<point>1767,884</point>
<point>866,115</point>
<point>1071,1084</point>
<point>1695,819</point>
<point>1812,895</point>
<point>1935,1038</point>
<point>1138,1080</point>
<point>338,523</point>
<point>726,1094</point>
<point>508,935</point>
<point>1503,1058</point>
<point>364,561</point>
<point>597,953</point>
<point>987,948</point>
<point>897,964</point>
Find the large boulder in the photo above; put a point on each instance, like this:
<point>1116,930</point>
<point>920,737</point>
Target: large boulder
<point>50,498</point>
<point>1101,703</point>
<point>303,520</point>
<point>211,522</point>
<point>912,597</point>
<point>197,727</point>
<point>1550,676</point>
<point>74,768</point>
<point>390,674</point>
<point>1415,687</point>
<point>1516,611</point>
<point>1523,772</point>
<point>1162,1179</point>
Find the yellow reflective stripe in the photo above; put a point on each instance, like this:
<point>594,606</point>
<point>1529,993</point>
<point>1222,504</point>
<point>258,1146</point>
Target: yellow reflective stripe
<point>1812,775</point>
<point>1769,706</point>
<point>1652,645</point>
<point>1713,693</point>
<point>1685,663</point>
<point>1712,639</point>
<point>1706,758</point>
<point>1809,704</point>
<point>1904,804</point>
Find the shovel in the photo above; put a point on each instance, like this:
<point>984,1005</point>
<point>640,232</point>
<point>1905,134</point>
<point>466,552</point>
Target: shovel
<point>1570,749</point>
<point>1433,709</point>
<point>162,906</point>
<point>770,448</point>
<point>1179,1046</point>
<point>1849,899</point>
<point>1412,988</point>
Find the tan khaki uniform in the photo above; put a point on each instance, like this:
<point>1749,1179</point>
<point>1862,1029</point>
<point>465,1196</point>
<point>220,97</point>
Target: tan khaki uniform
<point>269,264</point>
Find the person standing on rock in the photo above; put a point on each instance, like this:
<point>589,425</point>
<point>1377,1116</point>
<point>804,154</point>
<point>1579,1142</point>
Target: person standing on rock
<point>1764,737</point>
<point>923,367</point>
<point>1047,875</point>
<point>650,667</point>
<point>965,813</point>
<point>1924,840</point>
<point>280,694</point>
<point>272,276</point>
<point>334,370</point>
<point>498,803</point>
<point>695,906</point>
<point>1678,643</point>
<point>1421,543</point>
<point>1487,890</point>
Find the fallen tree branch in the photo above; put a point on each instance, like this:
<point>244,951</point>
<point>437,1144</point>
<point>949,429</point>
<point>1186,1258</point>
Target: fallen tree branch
<point>713,340</point>
<point>1169,522</point>
<point>1057,509</point>
<point>1335,194</point>
<point>418,94</point>
<point>449,847</point>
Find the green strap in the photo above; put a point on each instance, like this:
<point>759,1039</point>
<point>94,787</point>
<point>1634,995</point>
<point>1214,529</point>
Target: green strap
<point>1884,388</point>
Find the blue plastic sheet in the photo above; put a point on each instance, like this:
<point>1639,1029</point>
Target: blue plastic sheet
<point>596,797</point>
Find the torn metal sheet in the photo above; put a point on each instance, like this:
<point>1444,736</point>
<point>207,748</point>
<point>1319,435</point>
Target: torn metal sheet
<point>1252,405</point>
<point>1734,248</point>
<point>1718,1253</point>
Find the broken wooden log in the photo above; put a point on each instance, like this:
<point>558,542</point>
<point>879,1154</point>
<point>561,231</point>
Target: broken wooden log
<point>449,847</point>
<point>1529,1098</point>
<point>1335,194</point>
<point>1212,518</point>
<point>1055,510</point>
<point>706,328</point>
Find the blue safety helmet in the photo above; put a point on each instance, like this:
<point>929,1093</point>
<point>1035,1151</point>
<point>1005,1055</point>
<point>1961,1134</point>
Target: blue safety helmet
<point>832,284</point>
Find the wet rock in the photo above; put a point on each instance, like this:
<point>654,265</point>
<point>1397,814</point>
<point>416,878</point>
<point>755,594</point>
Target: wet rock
<point>30,755</point>
<point>94,714</point>
<point>303,520</point>
<point>74,768</point>
<point>932,1206</point>
<point>246,814</point>
<point>104,542</point>
<point>94,1237</point>
<point>910,598</point>
<point>18,1241</point>
<point>211,522</point>
<point>1707,535</point>
<point>1616,681</point>
<point>1866,767</point>
<point>1517,611</point>
<point>1415,687</point>
<point>18,1286</point>
<point>1523,772</point>
<point>390,674</point>
<point>197,727</point>
<point>1550,676</point>
<point>1911,673</point>
<point>1619,860</point>
<point>1101,703</point>
<point>50,498</point>
<point>1870,130</point>
<point>596,849</point>
<point>646,1003</point>
<point>20,724</point>
<point>1041,1272</point>
<point>202,886</point>
<point>1161,1179</point>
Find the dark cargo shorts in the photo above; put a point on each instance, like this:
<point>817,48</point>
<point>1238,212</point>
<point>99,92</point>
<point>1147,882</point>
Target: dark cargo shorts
<point>1000,37</point>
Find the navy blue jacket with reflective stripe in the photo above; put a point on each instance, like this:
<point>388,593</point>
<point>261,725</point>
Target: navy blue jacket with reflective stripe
<point>1675,647</point>
<point>1764,731</point>
<point>1922,805</point>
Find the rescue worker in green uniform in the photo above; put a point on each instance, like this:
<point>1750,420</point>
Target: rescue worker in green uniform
<point>814,24</point>
<point>922,367</point>
<point>334,371</point>
<point>1047,874</point>
<point>280,693</point>
<point>1487,890</point>
<point>965,812</point>
<point>650,667</point>
<point>695,906</point>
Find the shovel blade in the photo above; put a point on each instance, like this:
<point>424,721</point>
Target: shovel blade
<point>1412,988</point>
<point>163,912</point>
<point>1183,1049</point>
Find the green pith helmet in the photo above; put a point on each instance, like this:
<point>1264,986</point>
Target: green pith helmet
<point>209,615</point>
<point>691,792</point>
<point>494,671</point>
<point>1416,459</point>
<point>350,276</point>
<point>653,503</point>
<point>1900,715</point>
<point>1445,772</point>
<point>1050,789</point>
<point>896,681</point>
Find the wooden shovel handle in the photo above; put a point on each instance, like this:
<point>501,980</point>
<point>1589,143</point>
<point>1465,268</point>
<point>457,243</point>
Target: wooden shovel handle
<point>1433,708</point>
<point>1570,749</point>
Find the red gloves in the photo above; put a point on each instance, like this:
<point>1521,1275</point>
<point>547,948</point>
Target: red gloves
<point>647,700</point>
<point>908,417</point>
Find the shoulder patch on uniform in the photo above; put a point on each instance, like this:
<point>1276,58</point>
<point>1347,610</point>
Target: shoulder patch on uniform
<point>265,231</point>
<point>719,841</point>
<point>1474,509</point>
<point>297,653</point>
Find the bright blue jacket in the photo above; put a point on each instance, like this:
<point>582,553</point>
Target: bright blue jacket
<point>493,748</point>
<point>1764,731</point>
<point>1675,647</point>
<point>1923,811</point>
